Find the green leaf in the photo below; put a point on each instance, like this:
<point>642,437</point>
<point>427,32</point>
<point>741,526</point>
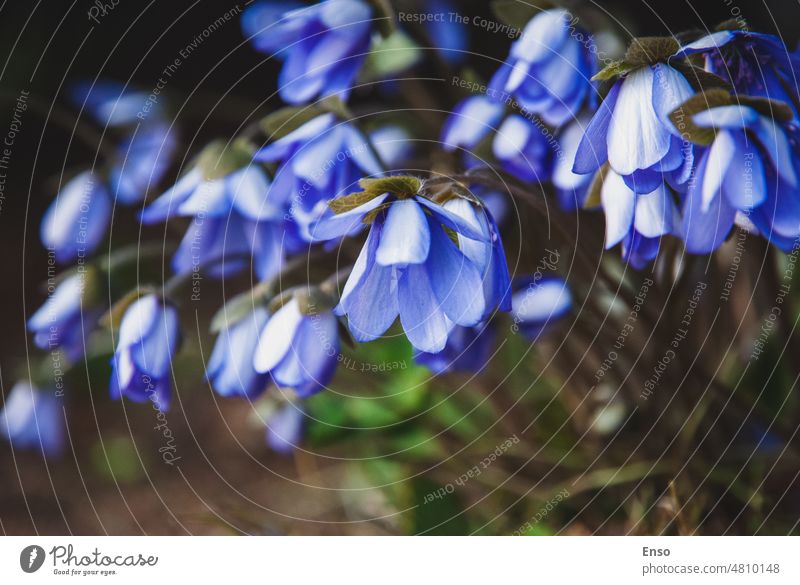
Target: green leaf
<point>114,315</point>
<point>220,159</point>
<point>683,117</point>
<point>651,50</point>
<point>350,202</point>
<point>441,516</point>
<point>594,199</point>
<point>700,79</point>
<point>240,306</point>
<point>613,70</point>
<point>390,56</point>
<point>286,120</point>
<point>400,185</point>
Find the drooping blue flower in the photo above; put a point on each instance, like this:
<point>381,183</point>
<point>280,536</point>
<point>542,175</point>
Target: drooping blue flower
<point>77,220</point>
<point>285,428</point>
<point>539,303</point>
<point>632,131</point>
<point>571,188</point>
<point>63,321</point>
<point>755,64</point>
<point>524,149</point>
<point>472,120</point>
<point>33,419</point>
<point>148,338</point>
<point>112,103</point>
<point>148,143</point>
<point>141,161</point>
<point>322,45</point>
<point>236,219</point>
<point>410,267</point>
<point>298,351</point>
<point>750,167</point>
<point>321,160</point>
<point>549,69</point>
<point>637,220</point>
<point>230,368</point>
<point>468,349</point>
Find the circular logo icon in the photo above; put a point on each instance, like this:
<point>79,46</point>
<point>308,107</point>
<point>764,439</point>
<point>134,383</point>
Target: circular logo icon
<point>31,558</point>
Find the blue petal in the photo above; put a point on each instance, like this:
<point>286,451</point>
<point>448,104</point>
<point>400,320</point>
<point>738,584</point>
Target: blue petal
<point>335,226</point>
<point>405,237</point>
<point>423,320</point>
<point>285,428</point>
<point>455,281</point>
<point>248,190</point>
<point>451,220</point>
<point>369,298</point>
<point>276,339</point>
<point>637,139</point>
<point>153,353</point>
<point>168,203</point>
<point>76,222</point>
<point>618,204</point>
<point>745,185</point>
<point>708,43</point>
<point>472,119</point>
<point>655,213</point>
<point>593,149</point>
<point>705,227</point>
<point>541,303</point>
<point>717,160</point>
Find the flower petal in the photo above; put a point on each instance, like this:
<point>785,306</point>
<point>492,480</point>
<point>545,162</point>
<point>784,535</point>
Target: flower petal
<point>277,336</point>
<point>405,237</point>
<point>637,139</point>
<point>618,204</point>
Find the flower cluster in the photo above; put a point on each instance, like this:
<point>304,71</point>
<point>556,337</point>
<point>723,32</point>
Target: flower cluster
<point>681,140</point>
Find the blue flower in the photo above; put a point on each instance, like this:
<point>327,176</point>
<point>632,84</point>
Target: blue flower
<point>76,222</point>
<point>410,267</point>
<point>524,149</point>
<point>469,123</point>
<point>755,64</point>
<point>539,303</point>
<point>149,143</point>
<point>235,217</point>
<point>446,34</point>
<point>571,188</point>
<point>320,160</point>
<point>148,338</point>
<point>549,69</point>
<point>63,321</point>
<point>285,428</point>
<point>111,103</point>
<point>230,368</point>
<point>298,351</point>
<point>632,131</point>
<point>750,167</point>
<point>33,419</point>
<point>468,350</point>
<point>322,45</point>
<point>637,220</point>
<point>141,161</point>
